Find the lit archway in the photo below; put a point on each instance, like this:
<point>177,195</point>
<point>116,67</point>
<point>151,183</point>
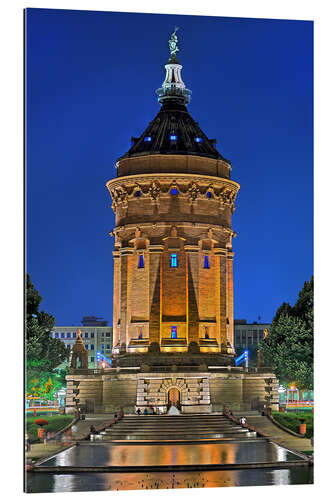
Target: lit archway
<point>174,397</point>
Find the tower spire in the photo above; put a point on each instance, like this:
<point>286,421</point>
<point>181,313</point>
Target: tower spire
<point>173,87</point>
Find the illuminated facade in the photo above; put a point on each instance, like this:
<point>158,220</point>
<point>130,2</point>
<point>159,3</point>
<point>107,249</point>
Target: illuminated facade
<point>173,274</point>
<point>173,260</point>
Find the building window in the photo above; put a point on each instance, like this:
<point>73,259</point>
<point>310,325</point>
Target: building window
<point>56,335</point>
<point>62,335</point>
<point>74,335</point>
<point>102,334</point>
<point>138,193</point>
<point>206,262</point>
<point>86,335</point>
<point>148,138</point>
<point>68,335</point>
<point>108,346</point>
<point>107,334</point>
<point>198,139</point>
<point>173,137</point>
<point>92,359</point>
<point>102,346</point>
<point>174,191</point>
<point>68,346</point>
<point>87,347</point>
<point>92,347</point>
<point>173,260</point>
<point>209,194</point>
<point>92,335</point>
<point>141,263</point>
<point>173,332</point>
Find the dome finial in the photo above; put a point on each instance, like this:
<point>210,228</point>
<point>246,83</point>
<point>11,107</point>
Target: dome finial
<point>173,86</point>
<point>173,45</point>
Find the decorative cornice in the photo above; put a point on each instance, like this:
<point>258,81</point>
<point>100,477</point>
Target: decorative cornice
<point>165,225</point>
<point>157,186</point>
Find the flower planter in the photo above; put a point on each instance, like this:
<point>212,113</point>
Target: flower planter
<point>40,433</point>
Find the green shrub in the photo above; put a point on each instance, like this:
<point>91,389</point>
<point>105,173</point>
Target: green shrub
<point>56,423</point>
<point>292,421</point>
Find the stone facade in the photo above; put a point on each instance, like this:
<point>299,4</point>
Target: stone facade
<point>173,216</point>
<point>173,274</point>
<point>200,392</point>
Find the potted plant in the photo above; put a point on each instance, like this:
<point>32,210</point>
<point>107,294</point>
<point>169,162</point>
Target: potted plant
<point>41,422</point>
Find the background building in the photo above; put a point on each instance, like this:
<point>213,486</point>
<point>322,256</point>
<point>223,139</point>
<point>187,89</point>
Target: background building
<point>247,336</point>
<point>94,338</point>
<point>93,321</point>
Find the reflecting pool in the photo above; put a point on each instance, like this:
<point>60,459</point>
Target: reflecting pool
<point>233,452</point>
<point>45,482</point>
<point>248,451</point>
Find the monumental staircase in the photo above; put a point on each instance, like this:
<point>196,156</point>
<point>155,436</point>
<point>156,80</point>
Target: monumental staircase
<point>175,428</point>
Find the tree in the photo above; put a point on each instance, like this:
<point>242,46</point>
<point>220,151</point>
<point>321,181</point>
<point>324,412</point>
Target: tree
<point>289,346</point>
<point>43,353</point>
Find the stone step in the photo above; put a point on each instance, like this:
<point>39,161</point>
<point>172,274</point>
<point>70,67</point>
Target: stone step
<point>173,428</point>
<point>246,413</point>
<point>147,431</point>
<point>143,434</point>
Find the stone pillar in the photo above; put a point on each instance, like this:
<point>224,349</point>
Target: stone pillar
<point>192,276</point>
<point>116,298</point>
<point>155,252</point>
<point>230,298</point>
<point>221,272</point>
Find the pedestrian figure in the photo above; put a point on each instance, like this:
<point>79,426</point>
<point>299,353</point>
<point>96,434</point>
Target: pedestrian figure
<point>145,412</point>
<point>74,429</point>
<point>27,442</point>
<point>138,411</point>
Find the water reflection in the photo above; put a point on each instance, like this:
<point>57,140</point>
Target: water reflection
<point>44,483</point>
<point>172,454</point>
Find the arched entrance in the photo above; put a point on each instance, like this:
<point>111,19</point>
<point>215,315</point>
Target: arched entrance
<point>174,397</point>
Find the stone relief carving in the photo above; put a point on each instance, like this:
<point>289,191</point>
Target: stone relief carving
<point>154,192</point>
<point>122,193</point>
<point>193,192</point>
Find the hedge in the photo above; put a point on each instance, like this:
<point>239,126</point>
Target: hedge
<point>293,420</point>
<point>56,423</point>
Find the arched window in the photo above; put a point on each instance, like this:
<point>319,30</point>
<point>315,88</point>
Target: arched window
<point>141,263</point>
<point>173,260</point>
<point>173,332</point>
<point>206,262</point>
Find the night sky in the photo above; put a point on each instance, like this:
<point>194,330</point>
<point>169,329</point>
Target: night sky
<point>91,80</point>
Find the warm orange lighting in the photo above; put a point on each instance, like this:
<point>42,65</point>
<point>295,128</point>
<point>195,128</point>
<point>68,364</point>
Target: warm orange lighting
<point>173,349</point>
<point>209,349</point>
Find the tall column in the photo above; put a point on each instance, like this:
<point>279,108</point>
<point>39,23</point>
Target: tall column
<point>230,298</point>
<point>116,298</point>
<point>220,254</point>
<point>192,276</point>
<point>155,252</point>
<point>124,294</point>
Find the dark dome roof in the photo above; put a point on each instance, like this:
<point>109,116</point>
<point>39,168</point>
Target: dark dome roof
<point>173,119</point>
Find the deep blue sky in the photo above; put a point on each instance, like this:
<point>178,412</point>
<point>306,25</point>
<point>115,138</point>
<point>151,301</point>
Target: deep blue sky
<point>91,80</point>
